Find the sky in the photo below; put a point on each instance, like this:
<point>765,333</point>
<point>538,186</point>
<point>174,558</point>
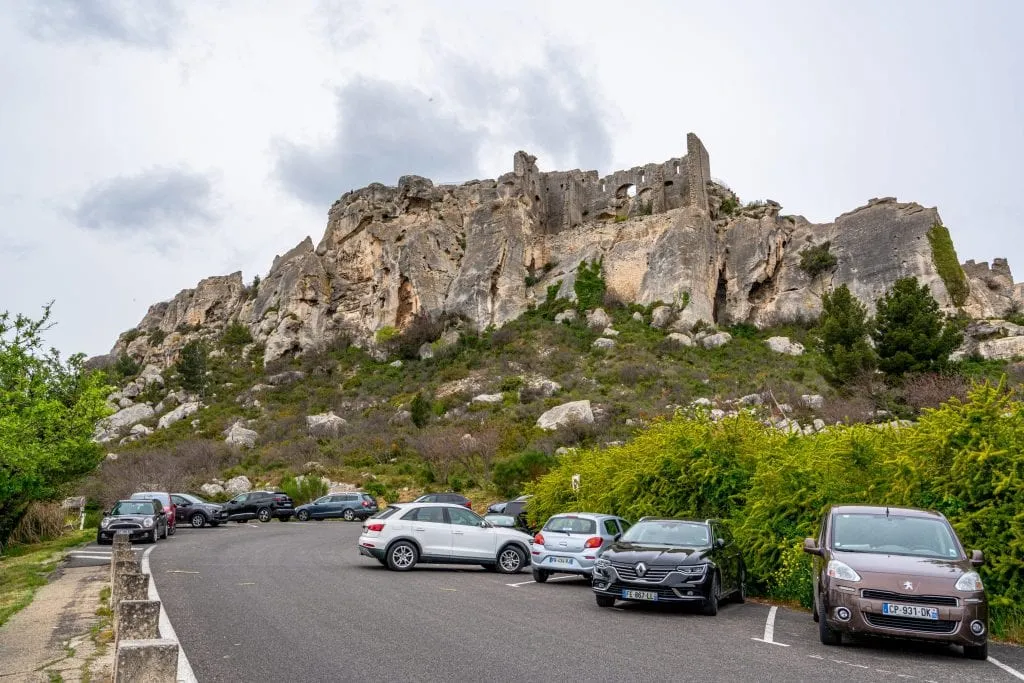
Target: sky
<point>147,145</point>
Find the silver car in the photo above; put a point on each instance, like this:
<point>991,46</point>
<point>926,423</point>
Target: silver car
<point>570,542</point>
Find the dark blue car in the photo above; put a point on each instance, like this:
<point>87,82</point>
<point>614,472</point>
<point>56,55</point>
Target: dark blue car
<point>348,506</point>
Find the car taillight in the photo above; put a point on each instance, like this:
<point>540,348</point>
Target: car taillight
<point>539,539</point>
<point>468,504</point>
<point>594,542</point>
<point>376,526</point>
<point>365,504</point>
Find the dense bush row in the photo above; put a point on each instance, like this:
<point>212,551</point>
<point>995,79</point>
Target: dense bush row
<point>965,459</point>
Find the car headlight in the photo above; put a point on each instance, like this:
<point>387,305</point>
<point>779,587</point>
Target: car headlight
<point>147,522</point>
<point>841,570</point>
<point>692,569</point>
<point>969,582</point>
<point>105,522</point>
<point>601,562</point>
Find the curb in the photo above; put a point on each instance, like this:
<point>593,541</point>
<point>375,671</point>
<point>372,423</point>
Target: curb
<point>185,674</point>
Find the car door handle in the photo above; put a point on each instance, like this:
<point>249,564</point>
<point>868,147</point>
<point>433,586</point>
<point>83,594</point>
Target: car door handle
<point>418,528</point>
<point>458,532</point>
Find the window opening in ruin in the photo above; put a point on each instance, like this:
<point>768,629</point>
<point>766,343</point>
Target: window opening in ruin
<point>677,169</point>
<point>627,190</point>
<point>668,183</point>
<point>602,186</point>
<point>643,176</point>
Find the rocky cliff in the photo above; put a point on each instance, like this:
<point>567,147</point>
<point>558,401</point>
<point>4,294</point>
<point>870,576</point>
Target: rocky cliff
<point>489,249</point>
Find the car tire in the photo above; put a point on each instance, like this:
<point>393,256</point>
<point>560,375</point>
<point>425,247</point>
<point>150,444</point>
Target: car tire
<point>171,528</point>
<point>164,534</point>
<point>711,602</point>
<point>604,600</point>
<point>303,515</point>
<point>198,520</point>
<point>349,515</point>
<point>741,591</point>
<point>826,634</point>
<point>541,575</point>
<point>264,515</point>
<point>511,560</point>
<point>402,556</point>
<point>976,651</point>
<point>100,541</point>
<point>152,536</point>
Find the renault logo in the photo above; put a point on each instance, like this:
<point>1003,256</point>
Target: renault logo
<point>641,569</point>
<point>908,585</point>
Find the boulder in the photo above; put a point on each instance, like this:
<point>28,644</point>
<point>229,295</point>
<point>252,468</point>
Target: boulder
<point>488,398</point>
<point>239,484</point>
<point>140,430</point>
<point>701,402</point>
<point>401,417</point>
<point>661,317</point>
<point>1004,348</point>
<point>211,490</point>
<point>238,435</point>
<point>603,343</point>
<point>111,456</point>
<point>567,413</point>
<point>126,417</point>
<point>325,424</point>
<point>610,332</point>
<point>784,345</point>
<point>426,351</point>
<point>819,425</point>
<point>566,316</point>
<point>151,375</point>
<point>597,319</point>
<point>713,341</point>
<point>751,400</point>
<point>680,339</point>
<point>541,386</point>
<point>813,401</point>
<point>178,414</point>
<point>638,316</point>
<point>398,363</point>
<point>287,377</point>
<point>131,390</point>
<point>125,403</point>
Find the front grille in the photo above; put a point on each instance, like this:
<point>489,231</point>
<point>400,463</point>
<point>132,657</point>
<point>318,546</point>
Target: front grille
<point>911,624</point>
<point>944,600</point>
<point>124,525</point>
<point>628,572</point>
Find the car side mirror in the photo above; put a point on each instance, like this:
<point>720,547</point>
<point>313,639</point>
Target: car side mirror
<point>811,546</point>
<point>485,524</point>
<point>977,558</point>
<point>183,505</point>
<point>616,537</point>
<point>719,542</point>
<point>106,513</point>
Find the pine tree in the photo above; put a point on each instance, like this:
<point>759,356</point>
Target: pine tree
<point>843,337</point>
<point>910,333</point>
<point>191,366</point>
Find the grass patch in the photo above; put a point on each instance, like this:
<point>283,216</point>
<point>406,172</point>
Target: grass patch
<point>25,568</point>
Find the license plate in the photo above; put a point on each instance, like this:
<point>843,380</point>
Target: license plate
<point>560,560</point>
<point>639,595</point>
<point>912,611</point>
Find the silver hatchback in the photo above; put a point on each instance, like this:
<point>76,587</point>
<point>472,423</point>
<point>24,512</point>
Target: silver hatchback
<point>570,542</point>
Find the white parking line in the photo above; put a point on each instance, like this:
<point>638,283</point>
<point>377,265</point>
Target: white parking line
<point>1008,669</point>
<point>185,674</point>
<point>769,629</point>
<point>85,554</point>
<point>554,578</point>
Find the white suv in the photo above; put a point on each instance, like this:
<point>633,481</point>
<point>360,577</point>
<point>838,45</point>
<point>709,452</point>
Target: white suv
<point>406,533</point>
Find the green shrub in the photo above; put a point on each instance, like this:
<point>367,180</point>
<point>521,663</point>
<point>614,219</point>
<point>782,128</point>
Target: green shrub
<point>729,206</point>
<point>131,335</point>
<point>948,265</point>
<point>126,366</point>
<point>842,334</point>
<point>817,259</point>
<point>420,409</point>
<point>589,285</point>
<point>509,475</point>
<point>191,366</point>
<point>386,334</point>
<point>156,336</point>
<point>236,334</point>
<point>910,332</point>
<point>304,490</point>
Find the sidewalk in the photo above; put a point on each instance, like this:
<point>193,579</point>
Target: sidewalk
<point>51,639</point>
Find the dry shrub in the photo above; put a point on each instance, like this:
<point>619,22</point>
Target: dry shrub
<point>502,337</point>
<point>41,522</point>
<point>931,390</point>
<point>856,407</point>
<point>182,467</point>
<point>292,454</point>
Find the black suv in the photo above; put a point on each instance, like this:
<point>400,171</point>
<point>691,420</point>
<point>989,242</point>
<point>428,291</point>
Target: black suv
<point>671,560</point>
<point>456,498</point>
<point>261,505</point>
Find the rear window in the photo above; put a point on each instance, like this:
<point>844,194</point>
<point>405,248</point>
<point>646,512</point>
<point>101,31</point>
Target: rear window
<point>572,525</point>
<point>386,512</point>
<point>368,498</point>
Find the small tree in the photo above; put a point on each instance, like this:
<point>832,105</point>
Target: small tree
<point>589,285</point>
<point>843,337</point>
<point>191,366</point>
<point>236,334</point>
<point>911,334</point>
<point>817,259</point>
<point>420,409</point>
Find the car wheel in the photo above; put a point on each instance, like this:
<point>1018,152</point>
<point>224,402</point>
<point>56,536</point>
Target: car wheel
<point>741,591</point>
<point>263,514</point>
<point>604,600</point>
<point>164,534</point>
<point>402,556</point>
<point>349,515</point>
<point>100,541</point>
<point>303,515</point>
<point>511,560</point>
<point>976,651</point>
<point>171,528</point>
<point>826,635</point>
<point>198,520</point>
<point>152,536</point>
<point>541,575</point>
<point>711,602</point>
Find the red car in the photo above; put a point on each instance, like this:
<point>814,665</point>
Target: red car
<point>170,509</point>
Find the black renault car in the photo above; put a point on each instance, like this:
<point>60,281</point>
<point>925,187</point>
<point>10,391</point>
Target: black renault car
<point>143,519</point>
<point>261,505</point>
<point>673,561</point>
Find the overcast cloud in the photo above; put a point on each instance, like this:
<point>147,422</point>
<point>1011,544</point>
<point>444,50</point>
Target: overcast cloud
<point>146,145</point>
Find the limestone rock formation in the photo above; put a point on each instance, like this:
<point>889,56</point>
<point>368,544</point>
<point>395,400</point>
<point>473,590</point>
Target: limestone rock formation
<point>239,484</point>
<point>240,435</point>
<point>325,424</point>
<point>178,414</point>
<point>488,249</point>
<point>567,413</point>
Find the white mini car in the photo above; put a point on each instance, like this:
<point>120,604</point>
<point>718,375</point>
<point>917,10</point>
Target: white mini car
<point>441,533</point>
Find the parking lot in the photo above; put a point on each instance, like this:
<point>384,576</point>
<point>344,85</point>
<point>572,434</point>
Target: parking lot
<point>296,601</point>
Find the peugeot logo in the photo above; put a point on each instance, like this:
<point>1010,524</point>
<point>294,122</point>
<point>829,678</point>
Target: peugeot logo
<point>908,585</point>
<point>641,569</point>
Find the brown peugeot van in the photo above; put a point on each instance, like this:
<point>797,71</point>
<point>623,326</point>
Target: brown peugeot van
<point>900,573</point>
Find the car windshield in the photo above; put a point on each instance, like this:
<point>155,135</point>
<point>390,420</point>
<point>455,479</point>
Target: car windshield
<point>132,507</point>
<point>571,525</point>
<point>894,535</point>
<point>192,499</point>
<point>680,534</point>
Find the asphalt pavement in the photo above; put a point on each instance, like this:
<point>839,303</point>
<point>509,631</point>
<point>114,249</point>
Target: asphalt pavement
<point>295,601</point>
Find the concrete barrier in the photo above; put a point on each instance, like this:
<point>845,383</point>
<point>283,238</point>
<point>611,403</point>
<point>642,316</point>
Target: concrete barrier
<point>146,661</point>
<point>137,619</point>
<point>128,587</point>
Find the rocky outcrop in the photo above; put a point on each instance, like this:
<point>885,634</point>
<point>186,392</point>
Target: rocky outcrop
<point>487,250</point>
<point>240,435</point>
<point>111,427</point>
<point>239,484</point>
<point>325,424</point>
<point>178,414</point>
<point>565,414</point>
<point>784,345</point>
